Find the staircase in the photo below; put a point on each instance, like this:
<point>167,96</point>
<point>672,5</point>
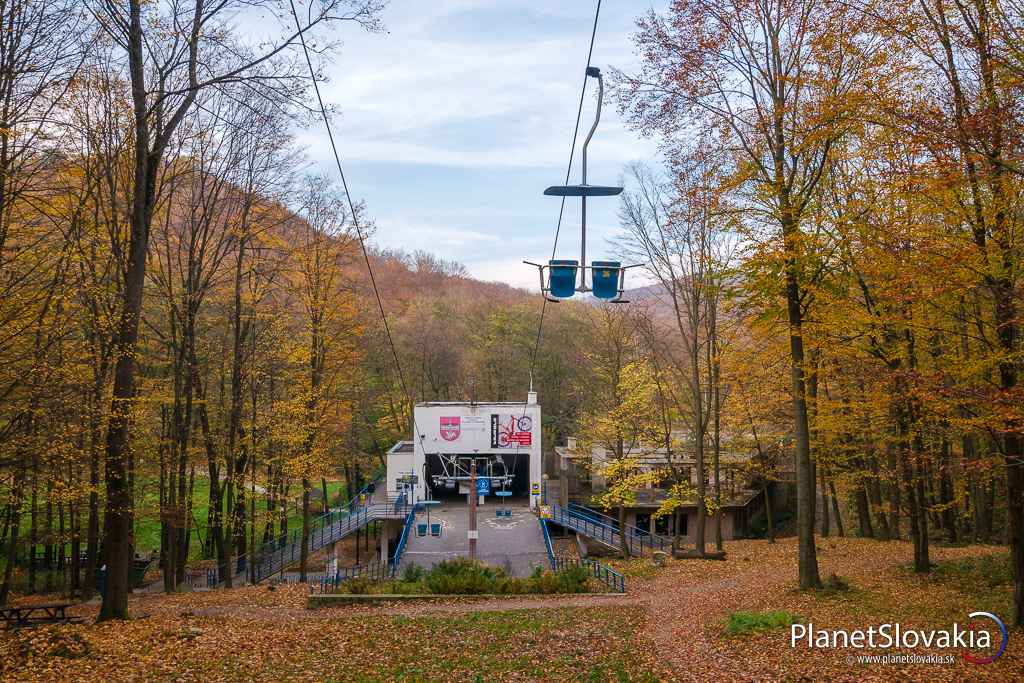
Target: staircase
<point>277,554</point>
<point>605,530</point>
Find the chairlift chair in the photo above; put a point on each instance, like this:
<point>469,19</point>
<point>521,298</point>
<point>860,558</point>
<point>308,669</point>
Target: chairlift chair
<point>558,276</point>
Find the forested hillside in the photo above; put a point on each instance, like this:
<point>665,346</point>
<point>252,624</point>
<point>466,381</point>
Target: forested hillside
<point>193,358</point>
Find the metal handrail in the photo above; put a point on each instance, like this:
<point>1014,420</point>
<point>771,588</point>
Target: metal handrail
<point>376,571</point>
<point>268,547</point>
<point>547,541</point>
<point>611,578</point>
<point>410,520</point>
<point>272,556</point>
<point>654,539</point>
<point>591,512</point>
<point>589,523</point>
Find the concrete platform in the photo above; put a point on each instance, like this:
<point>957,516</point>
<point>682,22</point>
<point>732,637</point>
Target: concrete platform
<point>514,543</point>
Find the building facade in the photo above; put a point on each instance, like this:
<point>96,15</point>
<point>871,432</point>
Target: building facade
<point>504,440</point>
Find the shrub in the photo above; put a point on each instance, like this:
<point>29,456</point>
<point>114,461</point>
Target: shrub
<point>462,576</point>
<point>836,583</point>
<point>357,585</point>
<point>413,573</point>
<point>744,622</point>
<point>573,579</point>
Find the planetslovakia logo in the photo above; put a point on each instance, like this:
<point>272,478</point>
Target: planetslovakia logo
<point>1002,644</point>
<point>967,639</point>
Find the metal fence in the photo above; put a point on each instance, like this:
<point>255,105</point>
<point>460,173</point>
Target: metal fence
<point>547,541</point>
<point>276,554</point>
<point>605,529</point>
<point>612,579</point>
<point>376,572</point>
<point>410,520</point>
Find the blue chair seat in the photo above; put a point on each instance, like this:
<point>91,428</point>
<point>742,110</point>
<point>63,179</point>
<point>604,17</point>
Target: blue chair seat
<point>421,529</point>
<point>562,277</point>
<point>605,275</point>
<point>435,529</point>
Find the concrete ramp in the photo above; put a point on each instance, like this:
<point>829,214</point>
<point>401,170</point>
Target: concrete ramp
<point>514,543</point>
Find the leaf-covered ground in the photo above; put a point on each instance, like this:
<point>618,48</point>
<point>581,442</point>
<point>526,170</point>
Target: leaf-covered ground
<point>671,626</point>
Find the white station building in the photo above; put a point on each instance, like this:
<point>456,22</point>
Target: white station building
<point>504,439</point>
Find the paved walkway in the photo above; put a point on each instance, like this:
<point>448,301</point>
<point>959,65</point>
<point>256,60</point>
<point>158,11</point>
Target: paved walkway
<point>514,543</point>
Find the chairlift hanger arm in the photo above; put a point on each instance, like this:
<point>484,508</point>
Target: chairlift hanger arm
<point>608,277</point>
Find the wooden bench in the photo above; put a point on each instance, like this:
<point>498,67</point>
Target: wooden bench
<point>34,615</point>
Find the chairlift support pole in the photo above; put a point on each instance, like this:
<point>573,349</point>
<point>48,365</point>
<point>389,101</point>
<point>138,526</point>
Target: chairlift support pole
<point>472,533</point>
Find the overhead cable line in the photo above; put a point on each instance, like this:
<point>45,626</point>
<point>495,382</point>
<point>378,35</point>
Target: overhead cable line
<point>561,211</point>
<point>568,172</point>
<point>355,223</point>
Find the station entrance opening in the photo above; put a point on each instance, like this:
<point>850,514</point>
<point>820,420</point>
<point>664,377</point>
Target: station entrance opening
<point>448,475</point>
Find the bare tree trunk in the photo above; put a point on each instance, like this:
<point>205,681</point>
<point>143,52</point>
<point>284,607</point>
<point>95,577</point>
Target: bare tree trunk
<point>74,521</point>
<point>15,524</point>
<point>808,557</point>
<point>863,511</point>
<point>33,529</point>
<point>623,545</point>
<point>835,507</point>
<point>716,411</point>
<point>48,547</point>
<point>304,551</point>
<point>825,522</point>
<point>894,494</point>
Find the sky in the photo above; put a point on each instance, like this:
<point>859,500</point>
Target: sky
<point>452,122</point>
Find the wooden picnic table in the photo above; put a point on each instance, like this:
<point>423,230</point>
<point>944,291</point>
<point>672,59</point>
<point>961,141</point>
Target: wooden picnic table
<point>32,615</point>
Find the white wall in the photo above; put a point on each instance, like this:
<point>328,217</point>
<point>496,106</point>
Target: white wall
<point>399,465</point>
<point>485,428</point>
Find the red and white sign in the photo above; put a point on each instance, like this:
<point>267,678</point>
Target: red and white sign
<point>509,431</point>
<point>451,427</point>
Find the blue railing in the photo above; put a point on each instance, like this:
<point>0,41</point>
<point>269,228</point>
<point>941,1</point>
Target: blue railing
<point>410,520</point>
<point>615,581</point>
<point>285,550</point>
<point>654,541</point>
<point>605,530</point>
<point>594,515</point>
<point>547,541</point>
<point>376,572</point>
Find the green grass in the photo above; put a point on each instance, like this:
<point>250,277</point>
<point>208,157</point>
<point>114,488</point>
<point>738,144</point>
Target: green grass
<point>744,622</point>
<point>147,514</point>
<point>970,573</point>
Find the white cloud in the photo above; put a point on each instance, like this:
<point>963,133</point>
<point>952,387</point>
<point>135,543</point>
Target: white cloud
<point>470,100</point>
<point>440,108</point>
